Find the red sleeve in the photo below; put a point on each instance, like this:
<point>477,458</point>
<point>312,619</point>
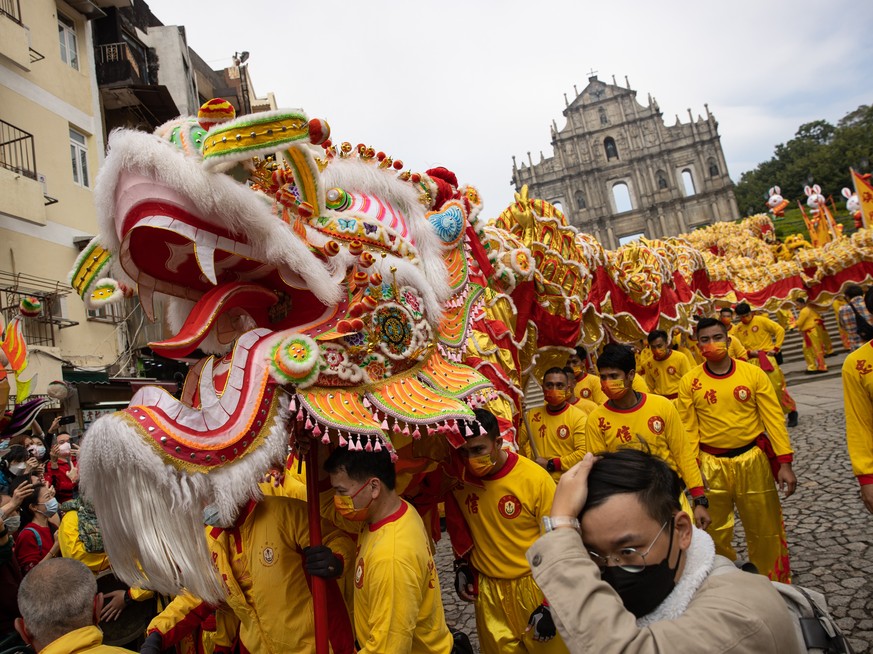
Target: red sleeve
<point>27,552</point>
<point>59,480</point>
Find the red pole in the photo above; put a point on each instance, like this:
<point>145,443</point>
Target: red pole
<point>319,592</point>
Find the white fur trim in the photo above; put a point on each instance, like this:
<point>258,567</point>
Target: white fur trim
<point>214,197</point>
<point>151,513</point>
<point>698,564</point>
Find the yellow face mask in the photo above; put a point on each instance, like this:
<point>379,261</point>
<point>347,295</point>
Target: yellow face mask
<point>345,505</point>
<point>614,389</point>
<point>660,353</point>
<point>481,465</point>
<point>714,350</point>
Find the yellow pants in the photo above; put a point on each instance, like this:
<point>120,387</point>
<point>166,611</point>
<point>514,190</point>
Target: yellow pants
<point>746,482</point>
<point>503,609</point>
<point>813,350</point>
<point>825,338</point>
<point>777,380</point>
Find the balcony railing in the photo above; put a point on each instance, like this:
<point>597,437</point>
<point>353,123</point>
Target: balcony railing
<point>11,9</point>
<point>17,152</point>
<point>118,62</point>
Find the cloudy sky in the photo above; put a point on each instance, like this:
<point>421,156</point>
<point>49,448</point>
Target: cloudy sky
<point>469,84</point>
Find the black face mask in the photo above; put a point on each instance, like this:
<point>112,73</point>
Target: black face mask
<point>641,592</point>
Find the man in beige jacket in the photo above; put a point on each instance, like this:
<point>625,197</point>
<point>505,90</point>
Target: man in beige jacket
<point>642,578</point>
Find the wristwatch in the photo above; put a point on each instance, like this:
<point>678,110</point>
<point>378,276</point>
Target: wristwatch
<point>550,465</point>
<point>550,523</point>
<point>700,501</point>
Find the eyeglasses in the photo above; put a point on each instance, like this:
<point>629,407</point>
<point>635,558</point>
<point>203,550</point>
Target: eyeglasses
<point>628,559</point>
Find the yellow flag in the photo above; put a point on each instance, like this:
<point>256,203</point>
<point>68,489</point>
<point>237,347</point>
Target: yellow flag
<point>865,197</point>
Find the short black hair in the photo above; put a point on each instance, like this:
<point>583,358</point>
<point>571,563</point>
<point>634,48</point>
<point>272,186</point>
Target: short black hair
<point>16,454</point>
<point>554,370</point>
<point>853,290</point>
<point>868,299</point>
<point>363,465</point>
<point>655,334</point>
<point>485,424</point>
<point>26,512</point>
<point>569,374</point>
<point>617,356</point>
<point>726,310</point>
<point>743,309</point>
<point>633,471</point>
<point>581,353</point>
<point>706,323</point>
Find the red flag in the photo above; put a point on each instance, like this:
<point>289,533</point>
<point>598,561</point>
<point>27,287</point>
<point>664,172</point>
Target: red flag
<point>865,197</point>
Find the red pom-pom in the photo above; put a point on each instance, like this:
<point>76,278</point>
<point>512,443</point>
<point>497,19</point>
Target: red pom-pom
<point>416,178</point>
<point>344,327</point>
<point>398,165</point>
<point>357,324</point>
<point>356,310</point>
<point>356,247</point>
<point>380,156</point>
<point>319,131</point>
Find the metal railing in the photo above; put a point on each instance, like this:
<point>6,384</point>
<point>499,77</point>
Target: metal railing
<point>17,152</point>
<point>11,9</point>
<point>118,62</point>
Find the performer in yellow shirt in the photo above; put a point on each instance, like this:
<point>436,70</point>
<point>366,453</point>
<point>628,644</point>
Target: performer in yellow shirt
<point>587,386</point>
<point>504,512</point>
<point>263,559</point>
<point>808,321</point>
<point>763,338</point>
<point>647,422</point>
<point>586,406</point>
<point>398,605</point>
<point>858,396</point>
<point>731,412</point>
<point>735,346</point>
<point>558,428</point>
<point>664,368</point>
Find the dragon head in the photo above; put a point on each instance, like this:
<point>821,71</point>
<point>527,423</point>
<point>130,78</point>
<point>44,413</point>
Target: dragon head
<point>325,283</point>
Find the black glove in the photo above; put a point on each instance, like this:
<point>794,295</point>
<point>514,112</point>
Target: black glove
<point>541,623</point>
<point>154,644</point>
<point>321,562</point>
<point>465,576</point>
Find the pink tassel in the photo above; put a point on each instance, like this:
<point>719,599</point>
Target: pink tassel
<point>308,423</point>
<point>366,402</point>
<point>378,447</point>
<point>325,439</point>
<point>406,429</point>
<point>394,457</point>
<point>369,446</point>
<point>300,414</point>
<point>416,434</point>
<point>342,441</point>
<point>384,425</point>
<point>316,431</point>
<point>396,427</point>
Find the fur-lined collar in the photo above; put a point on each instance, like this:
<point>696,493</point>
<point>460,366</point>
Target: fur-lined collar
<point>698,565</point>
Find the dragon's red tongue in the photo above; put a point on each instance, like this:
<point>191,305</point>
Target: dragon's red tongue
<point>253,299</point>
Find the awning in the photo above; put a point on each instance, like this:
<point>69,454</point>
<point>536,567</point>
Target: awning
<point>85,376</point>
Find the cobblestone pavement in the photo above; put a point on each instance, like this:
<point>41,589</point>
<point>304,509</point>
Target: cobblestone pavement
<point>830,534</point>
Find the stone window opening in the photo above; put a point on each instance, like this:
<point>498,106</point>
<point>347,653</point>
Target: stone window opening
<point>604,120</point>
<point>662,180</point>
<point>688,182</point>
<point>622,197</point>
<point>611,149</point>
<point>580,200</point>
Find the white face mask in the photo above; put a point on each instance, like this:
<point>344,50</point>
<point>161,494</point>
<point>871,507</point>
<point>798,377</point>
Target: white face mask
<point>12,523</point>
<point>17,468</point>
<point>64,449</point>
<point>37,450</point>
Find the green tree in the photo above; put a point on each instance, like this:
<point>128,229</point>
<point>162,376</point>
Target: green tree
<point>820,152</point>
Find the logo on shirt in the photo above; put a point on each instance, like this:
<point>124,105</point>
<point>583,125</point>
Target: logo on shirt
<point>656,424</point>
<point>863,368</point>
<point>602,424</point>
<point>696,385</point>
<point>472,503</point>
<point>710,396</point>
<point>754,328</point>
<point>509,506</point>
<point>537,417</point>
<point>268,555</point>
<point>742,393</point>
<point>671,370</point>
<point>563,432</point>
<point>586,393</point>
<point>359,574</point>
